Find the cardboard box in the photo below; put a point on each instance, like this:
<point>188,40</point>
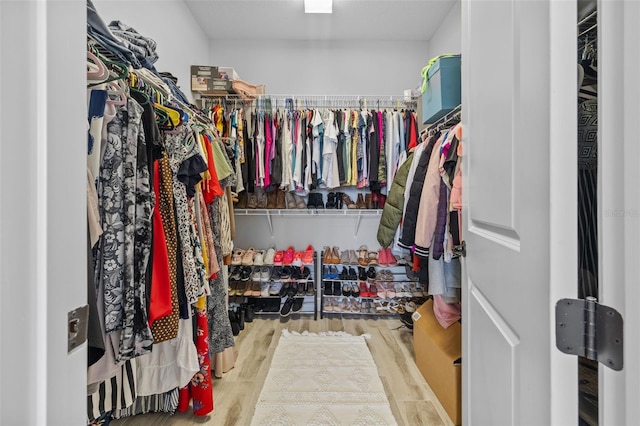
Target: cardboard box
<point>228,73</point>
<point>438,353</point>
<point>202,77</point>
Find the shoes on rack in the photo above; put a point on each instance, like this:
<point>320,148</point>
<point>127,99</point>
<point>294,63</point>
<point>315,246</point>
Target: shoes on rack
<point>249,315</point>
<point>305,273</point>
<point>328,288</point>
<point>264,289</point>
<point>315,201</point>
<point>352,275</point>
<point>383,260</point>
<point>331,201</point>
<point>265,273</point>
<point>258,258</point>
<point>337,288</point>
<point>262,201</point>
<point>307,255</point>
<point>327,304</point>
<point>344,257</point>
<point>235,273</point>
<point>288,256</point>
<point>364,291</point>
<point>285,273</point>
<point>360,204</point>
<point>348,201</point>
<point>285,311</point>
<point>272,199</point>
<point>255,275</point>
<point>300,204</point>
<point>368,201</point>
<point>255,289</point>
<point>245,273</point>
<point>290,200</point>
<point>281,203</point>
<point>236,258</point>
<point>362,256</point>
<point>362,273</point>
<point>269,255</point>
<point>353,257</point>
<point>278,258</point>
<point>297,304</point>
<point>372,258</point>
<point>275,288</point>
<point>297,259</point>
<point>391,259</point>
<point>310,289</point>
<point>242,200</point>
<point>247,256</point>
<point>344,274</point>
<point>252,201</point>
<point>326,255</point>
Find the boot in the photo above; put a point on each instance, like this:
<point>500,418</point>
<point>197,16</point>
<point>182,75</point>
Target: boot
<point>242,200</point>
<point>280,202</point>
<point>241,318</point>
<point>248,313</point>
<point>368,201</point>
<point>331,200</point>
<point>339,200</point>
<point>348,201</point>
<point>300,204</point>
<point>360,202</point>
<point>252,201</point>
<point>291,201</point>
<point>319,201</point>
<point>271,199</point>
<point>262,201</point>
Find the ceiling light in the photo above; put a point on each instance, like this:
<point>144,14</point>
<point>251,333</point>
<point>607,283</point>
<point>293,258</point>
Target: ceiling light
<point>318,6</point>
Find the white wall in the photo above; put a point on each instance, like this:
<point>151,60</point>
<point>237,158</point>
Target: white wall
<point>448,37</point>
<point>181,41</point>
<point>318,67</point>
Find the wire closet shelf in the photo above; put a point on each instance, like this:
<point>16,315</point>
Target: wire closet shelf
<point>273,102</point>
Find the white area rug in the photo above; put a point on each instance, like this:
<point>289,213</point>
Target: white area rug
<point>322,379</point>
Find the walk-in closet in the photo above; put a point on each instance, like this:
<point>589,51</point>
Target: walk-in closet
<point>249,212</point>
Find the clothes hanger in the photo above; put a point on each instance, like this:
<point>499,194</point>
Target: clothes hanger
<point>175,117</point>
<point>97,71</point>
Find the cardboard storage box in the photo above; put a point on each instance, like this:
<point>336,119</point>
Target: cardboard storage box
<point>202,77</point>
<point>443,89</point>
<point>438,353</point>
<point>228,73</point>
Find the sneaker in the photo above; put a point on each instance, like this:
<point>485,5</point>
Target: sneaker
<point>305,274</point>
<point>269,255</point>
<point>258,258</point>
<point>264,289</point>
<point>275,288</point>
<point>297,304</point>
<point>288,256</point>
<point>265,273</point>
<point>307,256</point>
<point>278,258</point>
<point>245,273</point>
<point>256,274</point>
<point>285,273</point>
<point>297,259</point>
<point>235,273</point>
<point>296,274</point>
<point>285,311</point>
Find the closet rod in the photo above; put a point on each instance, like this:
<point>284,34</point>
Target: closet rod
<point>452,117</point>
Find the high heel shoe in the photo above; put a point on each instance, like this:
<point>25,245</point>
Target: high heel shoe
<point>348,201</point>
<point>331,201</point>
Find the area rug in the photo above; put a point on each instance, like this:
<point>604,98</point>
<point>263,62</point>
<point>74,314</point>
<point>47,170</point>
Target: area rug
<point>322,379</point>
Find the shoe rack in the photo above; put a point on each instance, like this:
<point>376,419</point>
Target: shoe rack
<point>270,293</point>
<point>369,298</point>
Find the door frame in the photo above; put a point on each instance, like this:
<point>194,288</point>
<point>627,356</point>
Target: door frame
<point>43,137</point>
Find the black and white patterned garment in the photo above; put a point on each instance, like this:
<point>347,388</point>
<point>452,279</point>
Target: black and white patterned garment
<point>163,403</point>
<point>220,334</point>
<point>117,393</point>
<point>125,202</point>
<point>177,154</point>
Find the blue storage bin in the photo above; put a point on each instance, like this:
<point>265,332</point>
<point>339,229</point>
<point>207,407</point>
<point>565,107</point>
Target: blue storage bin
<point>443,88</point>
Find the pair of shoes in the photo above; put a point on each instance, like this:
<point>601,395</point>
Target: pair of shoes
<point>350,290</point>
<point>288,256</point>
<point>360,202</point>
<point>330,256</point>
<point>363,260</point>
<point>347,201</point>
<point>372,258</point>
<point>386,258</point>
<point>269,255</point>
<point>242,200</point>
<point>335,200</point>
<point>331,273</point>
<point>307,255</point>
<point>252,201</point>
<point>291,305</point>
<point>294,201</point>
<point>236,257</point>
<point>258,258</point>
<point>315,201</point>
<point>247,256</point>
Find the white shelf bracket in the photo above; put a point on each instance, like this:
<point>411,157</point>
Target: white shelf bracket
<point>358,220</point>
<point>270,223</point>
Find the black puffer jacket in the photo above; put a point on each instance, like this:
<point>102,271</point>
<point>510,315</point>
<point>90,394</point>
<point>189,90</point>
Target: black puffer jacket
<point>394,206</point>
<point>415,192</point>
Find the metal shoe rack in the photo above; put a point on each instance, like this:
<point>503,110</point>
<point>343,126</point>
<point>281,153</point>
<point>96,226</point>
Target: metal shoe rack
<point>272,304</point>
<point>366,305</point>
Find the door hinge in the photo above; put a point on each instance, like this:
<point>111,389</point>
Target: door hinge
<point>77,327</point>
<point>588,329</point>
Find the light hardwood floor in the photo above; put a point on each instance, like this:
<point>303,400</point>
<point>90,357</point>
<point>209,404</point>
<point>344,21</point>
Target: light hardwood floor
<point>391,344</point>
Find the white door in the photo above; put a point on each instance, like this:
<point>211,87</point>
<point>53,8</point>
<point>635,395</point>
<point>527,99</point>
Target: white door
<point>42,210</point>
<point>619,195</point>
<point>519,116</point>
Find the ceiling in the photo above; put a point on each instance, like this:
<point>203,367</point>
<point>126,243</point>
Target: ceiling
<point>350,20</point>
